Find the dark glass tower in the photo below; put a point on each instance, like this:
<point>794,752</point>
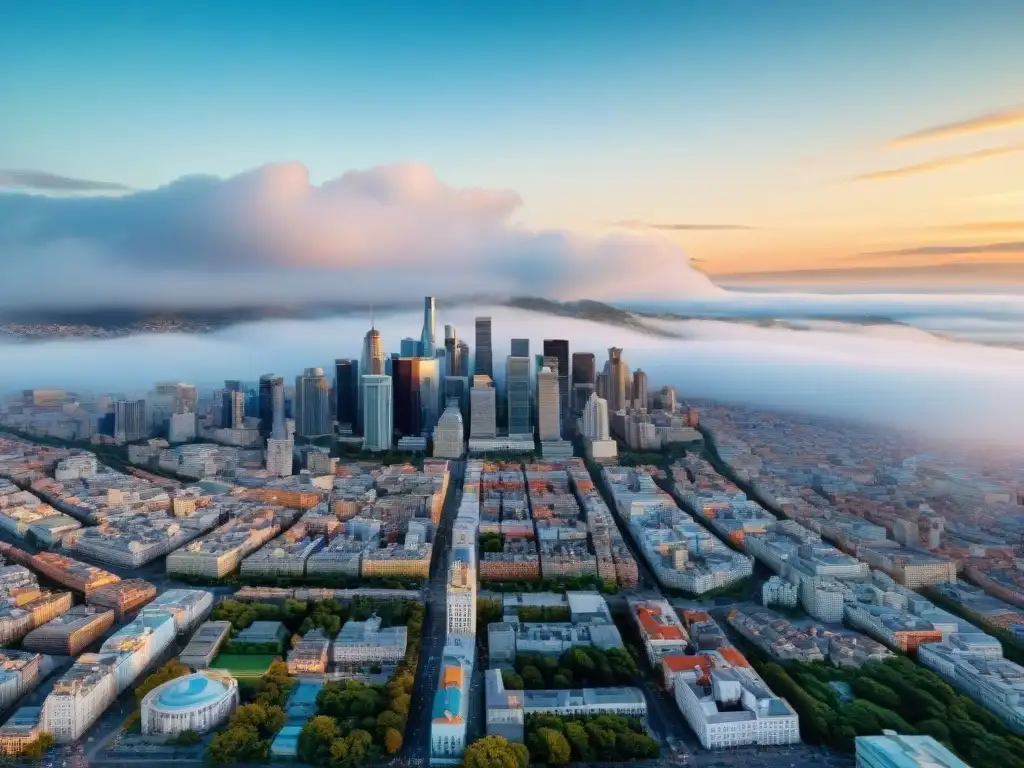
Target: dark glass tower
<point>346,392</point>
<point>484,355</point>
<point>559,349</point>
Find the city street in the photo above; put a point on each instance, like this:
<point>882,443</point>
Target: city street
<point>417,735</point>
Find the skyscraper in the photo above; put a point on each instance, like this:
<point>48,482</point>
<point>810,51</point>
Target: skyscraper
<point>559,349</point>
<point>130,420</point>
<point>313,414</point>
<point>377,413</point>
<point>584,378</point>
<point>271,404</point>
<point>416,390</point>
<point>482,407</point>
<point>517,388</point>
<point>449,434</point>
<point>595,418</point>
<point>346,392</point>
<point>451,351</point>
<point>463,358</point>
<point>549,421</point>
<point>428,339</point>
<point>409,347</point>
<point>618,380</point>
<point>484,361</point>
<point>639,393</point>
<point>457,388</point>
<point>520,347</point>
<point>232,408</point>
<point>372,362</point>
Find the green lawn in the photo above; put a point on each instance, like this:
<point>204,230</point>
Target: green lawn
<point>244,665</point>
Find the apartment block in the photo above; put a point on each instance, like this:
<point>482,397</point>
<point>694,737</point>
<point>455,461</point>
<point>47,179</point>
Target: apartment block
<point>70,633</point>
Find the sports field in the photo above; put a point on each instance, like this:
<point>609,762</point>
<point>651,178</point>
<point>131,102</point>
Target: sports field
<point>244,665</point>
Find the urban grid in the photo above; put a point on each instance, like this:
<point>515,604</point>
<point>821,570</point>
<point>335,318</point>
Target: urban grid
<point>458,553</point>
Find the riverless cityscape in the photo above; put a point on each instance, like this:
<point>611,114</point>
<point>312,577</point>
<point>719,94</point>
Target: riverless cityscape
<point>448,553</point>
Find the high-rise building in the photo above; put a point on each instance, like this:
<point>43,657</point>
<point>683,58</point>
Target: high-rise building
<point>595,419</point>
<point>377,401</point>
<point>451,351</point>
<point>618,380</point>
<point>346,392</point>
<point>517,389</point>
<point>372,362</point>
<point>601,385</point>
<point>428,338</point>
<point>457,388</point>
<point>482,408</point>
<point>279,456</point>
<point>584,378</point>
<point>559,349</point>
<point>639,394</point>
<point>463,358</point>
<point>449,434</point>
<point>233,409</point>
<point>130,420</point>
<point>520,347</point>
<point>549,423</point>
<point>313,415</point>
<point>409,347</point>
<point>271,397</point>
<point>484,360</point>
<point>416,389</point>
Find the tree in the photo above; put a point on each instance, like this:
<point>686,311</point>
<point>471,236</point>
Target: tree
<point>239,744</point>
<point>169,671</point>
<point>511,680</point>
<point>266,721</point>
<point>577,737</point>
<point>392,741</point>
<point>532,678</point>
<point>38,747</point>
<point>495,752</point>
<point>186,738</point>
<point>556,748</point>
<point>316,738</point>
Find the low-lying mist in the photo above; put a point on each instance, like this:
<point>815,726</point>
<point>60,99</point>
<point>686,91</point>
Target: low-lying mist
<point>900,377</point>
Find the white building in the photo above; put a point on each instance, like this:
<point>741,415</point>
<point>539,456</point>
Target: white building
<point>198,702</point>
<point>778,591</point>
<point>80,697</point>
<point>595,418</point>
<point>181,428</point>
<point>461,599</point>
<point>137,644</point>
<point>482,408</point>
<point>450,711</point>
<point>549,418</point>
<point>378,414</point>
<point>279,457</point>
<point>364,642</point>
<point>187,606</point>
<point>448,434</point>
<point>737,709</point>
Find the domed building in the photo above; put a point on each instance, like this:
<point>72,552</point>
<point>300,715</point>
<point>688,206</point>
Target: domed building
<point>197,702</point>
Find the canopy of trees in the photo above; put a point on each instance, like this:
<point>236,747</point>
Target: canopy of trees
<point>896,694</point>
<point>495,752</point>
<point>491,542</point>
<point>556,740</point>
<point>543,613</point>
<point>357,723</point>
<point>36,748</point>
<point>251,729</point>
<point>579,667</point>
<point>169,671</point>
<point>589,581</point>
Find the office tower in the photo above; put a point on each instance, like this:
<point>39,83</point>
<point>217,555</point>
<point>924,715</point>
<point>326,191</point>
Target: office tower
<point>520,347</point>
<point>517,388</point>
<point>279,456</point>
<point>372,362</point>
<point>452,350</point>
<point>906,532</point>
<point>618,380</point>
<point>595,418</point>
<point>449,434</point>
<point>457,388</point>
<point>463,357</point>
<point>229,405</point>
<point>639,389</point>
<point>559,349</point>
<point>549,422</point>
<point>346,393</point>
<point>482,407</point>
<point>313,414</point>
<point>601,385</point>
<point>484,363</point>
<point>666,399</point>
<point>584,378</point>
<point>377,401</point>
<point>271,403</point>
<point>409,347</point>
<point>234,415</point>
<point>130,420</point>
<point>428,338</point>
<point>416,391</point>
<point>441,355</point>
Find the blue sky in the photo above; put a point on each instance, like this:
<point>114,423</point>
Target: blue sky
<point>593,111</point>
